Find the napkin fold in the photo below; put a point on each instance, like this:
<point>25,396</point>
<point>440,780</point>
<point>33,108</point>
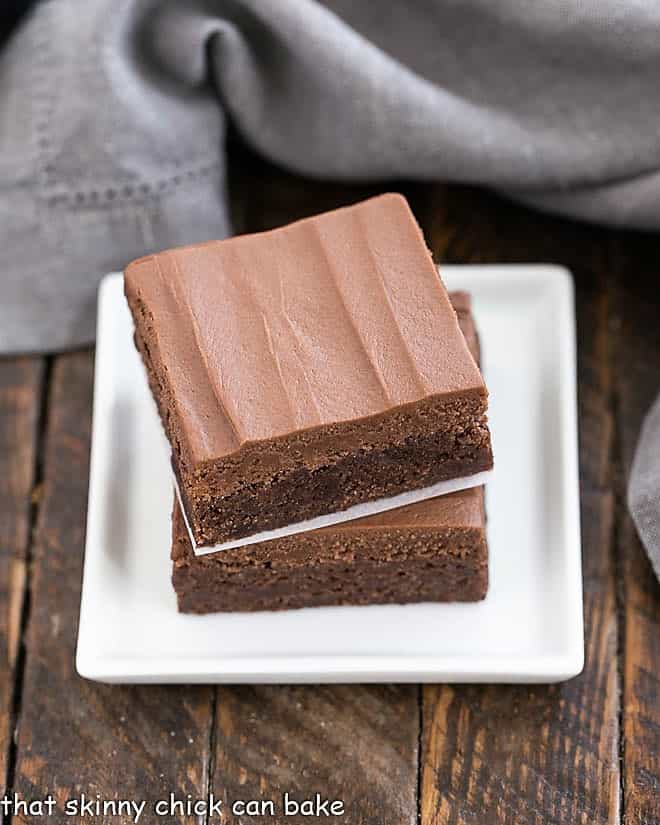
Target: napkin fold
<point>644,487</point>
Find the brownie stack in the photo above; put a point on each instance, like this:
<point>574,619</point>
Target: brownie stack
<point>309,380</point>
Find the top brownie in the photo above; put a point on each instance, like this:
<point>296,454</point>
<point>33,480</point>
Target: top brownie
<point>306,369</point>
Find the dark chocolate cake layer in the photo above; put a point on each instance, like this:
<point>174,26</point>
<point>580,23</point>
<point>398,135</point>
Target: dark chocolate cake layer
<point>434,550</point>
<point>308,369</point>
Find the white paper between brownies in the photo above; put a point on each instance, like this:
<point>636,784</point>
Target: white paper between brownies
<point>370,508</point>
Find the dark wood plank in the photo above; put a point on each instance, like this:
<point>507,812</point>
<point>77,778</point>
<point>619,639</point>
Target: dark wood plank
<point>21,385</point>
<point>263,196</point>
<point>354,743</point>
<point>637,336</point>
<point>77,736</point>
<point>537,754</point>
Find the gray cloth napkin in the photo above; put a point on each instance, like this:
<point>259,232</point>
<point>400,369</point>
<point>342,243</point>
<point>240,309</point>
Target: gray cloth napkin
<point>644,487</point>
<point>111,135</point>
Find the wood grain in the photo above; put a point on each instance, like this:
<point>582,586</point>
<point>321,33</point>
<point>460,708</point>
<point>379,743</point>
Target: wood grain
<point>21,386</point>
<point>537,754</point>
<point>263,196</point>
<point>354,743</point>
<point>636,331</point>
<point>76,736</point>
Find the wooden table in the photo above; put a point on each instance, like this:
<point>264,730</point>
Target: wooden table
<point>581,752</point>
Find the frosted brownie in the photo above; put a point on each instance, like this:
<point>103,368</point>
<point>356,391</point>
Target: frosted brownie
<point>307,369</point>
<point>434,550</point>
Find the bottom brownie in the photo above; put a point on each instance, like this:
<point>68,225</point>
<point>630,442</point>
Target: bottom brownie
<point>434,550</point>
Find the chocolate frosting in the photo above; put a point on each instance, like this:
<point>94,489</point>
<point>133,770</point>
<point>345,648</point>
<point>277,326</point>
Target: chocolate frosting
<point>333,318</point>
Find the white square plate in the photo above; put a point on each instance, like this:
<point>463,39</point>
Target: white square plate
<point>529,628</point>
